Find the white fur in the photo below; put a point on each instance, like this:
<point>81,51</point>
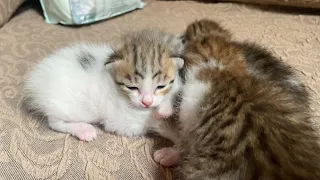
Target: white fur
<point>193,93</point>
<point>73,98</point>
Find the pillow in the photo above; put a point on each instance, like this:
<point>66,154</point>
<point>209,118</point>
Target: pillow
<point>7,8</point>
<point>73,12</point>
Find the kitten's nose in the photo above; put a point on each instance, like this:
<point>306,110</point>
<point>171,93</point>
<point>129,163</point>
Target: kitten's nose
<point>147,100</point>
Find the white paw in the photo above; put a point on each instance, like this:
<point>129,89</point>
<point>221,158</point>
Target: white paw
<point>165,111</point>
<point>168,156</point>
<point>85,132</point>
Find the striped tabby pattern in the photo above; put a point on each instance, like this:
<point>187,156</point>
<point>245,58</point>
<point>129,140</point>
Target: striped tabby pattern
<point>252,120</point>
<point>146,61</point>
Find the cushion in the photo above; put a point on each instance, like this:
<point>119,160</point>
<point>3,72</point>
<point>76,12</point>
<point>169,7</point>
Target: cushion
<point>29,150</point>
<point>70,12</point>
<point>7,8</point>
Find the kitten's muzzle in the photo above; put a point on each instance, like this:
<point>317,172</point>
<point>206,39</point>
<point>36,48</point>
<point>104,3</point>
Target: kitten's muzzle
<point>147,100</point>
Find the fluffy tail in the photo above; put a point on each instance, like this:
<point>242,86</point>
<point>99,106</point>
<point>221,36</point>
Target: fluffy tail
<point>205,27</point>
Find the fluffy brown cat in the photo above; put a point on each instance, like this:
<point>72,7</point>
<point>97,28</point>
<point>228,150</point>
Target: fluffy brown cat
<point>243,114</point>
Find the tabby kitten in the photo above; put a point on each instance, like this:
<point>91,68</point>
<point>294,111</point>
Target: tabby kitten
<point>117,87</point>
<point>244,115</point>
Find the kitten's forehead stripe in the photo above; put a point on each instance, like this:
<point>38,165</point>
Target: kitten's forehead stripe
<point>139,74</point>
<point>160,52</point>
<point>156,74</point>
<point>155,59</point>
<point>135,54</point>
<point>145,61</point>
<point>152,55</point>
<point>137,58</point>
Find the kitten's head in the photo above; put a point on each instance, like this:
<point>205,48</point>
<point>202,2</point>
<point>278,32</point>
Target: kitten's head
<point>146,65</point>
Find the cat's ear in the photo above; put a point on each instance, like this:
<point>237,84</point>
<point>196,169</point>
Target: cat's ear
<point>112,60</point>
<point>178,61</point>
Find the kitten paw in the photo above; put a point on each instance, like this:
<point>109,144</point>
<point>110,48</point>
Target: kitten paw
<point>168,156</point>
<point>85,132</point>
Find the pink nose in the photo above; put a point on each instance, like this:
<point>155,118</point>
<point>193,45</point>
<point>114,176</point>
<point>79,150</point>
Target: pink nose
<point>147,100</point>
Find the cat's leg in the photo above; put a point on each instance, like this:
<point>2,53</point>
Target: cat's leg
<point>84,131</point>
<point>168,156</point>
<point>166,128</point>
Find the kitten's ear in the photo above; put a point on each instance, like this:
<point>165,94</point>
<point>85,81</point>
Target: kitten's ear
<point>178,61</point>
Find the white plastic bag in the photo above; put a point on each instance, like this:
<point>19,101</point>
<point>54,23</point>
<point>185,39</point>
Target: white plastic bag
<point>72,12</point>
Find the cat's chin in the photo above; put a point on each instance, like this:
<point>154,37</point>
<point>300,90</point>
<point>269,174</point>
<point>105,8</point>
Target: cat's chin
<point>147,108</point>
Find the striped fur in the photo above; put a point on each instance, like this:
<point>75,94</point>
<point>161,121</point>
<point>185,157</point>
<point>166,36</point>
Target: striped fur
<point>86,60</point>
<point>147,62</point>
<point>243,114</point>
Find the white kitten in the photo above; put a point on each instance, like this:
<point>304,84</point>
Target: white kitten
<point>91,84</point>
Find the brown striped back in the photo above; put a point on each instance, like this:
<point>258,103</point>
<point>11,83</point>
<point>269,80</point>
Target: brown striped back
<point>251,122</point>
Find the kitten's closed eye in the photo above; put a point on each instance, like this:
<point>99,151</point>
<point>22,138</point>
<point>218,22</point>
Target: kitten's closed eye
<point>161,87</point>
<point>133,88</point>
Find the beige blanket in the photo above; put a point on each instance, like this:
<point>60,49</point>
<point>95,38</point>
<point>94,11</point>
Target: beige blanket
<point>29,150</point>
